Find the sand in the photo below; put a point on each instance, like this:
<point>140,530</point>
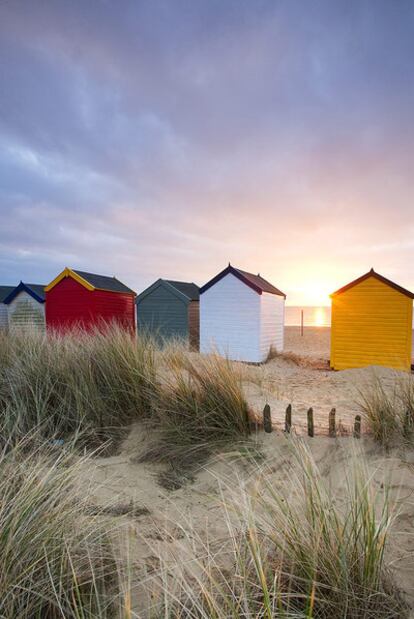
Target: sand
<point>299,377</point>
<point>170,531</point>
<point>315,341</point>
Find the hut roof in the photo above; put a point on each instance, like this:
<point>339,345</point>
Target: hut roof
<point>379,277</point>
<point>103,282</point>
<point>37,291</point>
<point>5,291</point>
<point>256,282</point>
<point>186,291</point>
<point>91,281</point>
<point>189,289</point>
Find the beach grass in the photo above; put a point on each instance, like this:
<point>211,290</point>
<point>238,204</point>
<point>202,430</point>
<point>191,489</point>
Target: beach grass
<point>293,551</point>
<point>199,408</point>
<point>87,388</point>
<point>55,560</point>
<point>389,413</point>
<point>76,385</point>
<point>293,546</point>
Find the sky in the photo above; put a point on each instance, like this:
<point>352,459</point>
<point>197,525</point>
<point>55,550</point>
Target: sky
<point>150,138</point>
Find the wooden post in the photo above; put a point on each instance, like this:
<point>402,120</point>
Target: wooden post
<point>288,419</point>
<point>301,322</point>
<point>357,427</point>
<point>267,420</point>
<point>310,422</point>
<point>332,428</point>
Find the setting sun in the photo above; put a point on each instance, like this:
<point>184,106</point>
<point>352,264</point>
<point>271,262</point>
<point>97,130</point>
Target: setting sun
<point>319,317</point>
<point>309,292</point>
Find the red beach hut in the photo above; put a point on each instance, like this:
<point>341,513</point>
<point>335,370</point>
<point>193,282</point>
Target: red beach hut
<point>89,301</point>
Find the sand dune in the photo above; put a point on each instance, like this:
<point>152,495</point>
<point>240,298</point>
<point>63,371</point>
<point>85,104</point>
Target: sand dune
<point>171,519</point>
<point>157,529</point>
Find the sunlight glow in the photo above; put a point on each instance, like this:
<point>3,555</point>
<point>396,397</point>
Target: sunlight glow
<point>309,292</point>
<point>319,318</point>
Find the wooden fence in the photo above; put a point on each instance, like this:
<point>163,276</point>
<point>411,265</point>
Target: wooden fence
<point>332,425</point>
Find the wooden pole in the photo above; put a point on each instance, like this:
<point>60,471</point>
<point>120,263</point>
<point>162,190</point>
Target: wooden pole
<point>357,427</point>
<point>267,420</point>
<point>332,428</point>
<point>310,422</point>
<point>301,322</point>
<point>288,419</point>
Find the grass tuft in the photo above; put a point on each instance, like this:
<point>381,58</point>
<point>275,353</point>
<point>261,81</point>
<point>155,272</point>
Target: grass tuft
<point>199,408</point>
<point>54,560</point>
<point>389,415</point>
<point>80,385</point>
<point>294,551</point>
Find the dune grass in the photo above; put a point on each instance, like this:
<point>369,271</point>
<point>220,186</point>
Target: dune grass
<point>198,408</point>
<point>88,388</point>
<point>379,408</point>
<point>389,414</point>
<point>294,551</point>
<point>79,384</point>
<point>54,560</point>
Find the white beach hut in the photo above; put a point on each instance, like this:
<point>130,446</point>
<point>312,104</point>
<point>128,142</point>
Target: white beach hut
<point>241,316</point>
<point>26,307</point>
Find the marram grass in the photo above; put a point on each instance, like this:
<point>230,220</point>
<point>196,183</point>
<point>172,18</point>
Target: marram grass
<point>198,408</point>
<point>55,560</point>
<point>389,413</point>
<point>80,384</point>
<point>294,550</point>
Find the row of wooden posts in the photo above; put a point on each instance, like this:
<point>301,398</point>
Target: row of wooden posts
<point>267,422</point>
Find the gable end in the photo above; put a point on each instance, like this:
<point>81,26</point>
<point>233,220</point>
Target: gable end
<point>377,276</point>
<point>164,284</point>
<point>36,292</point>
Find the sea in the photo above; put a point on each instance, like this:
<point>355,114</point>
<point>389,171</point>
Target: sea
<point>313,316</point>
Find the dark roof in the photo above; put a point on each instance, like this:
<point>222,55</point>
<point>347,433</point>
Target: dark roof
<point>256,282</point>
<point>185,291</point>
<point>190,290</point>
<point>381,278</point>
<point>104,282</point>
<point>37,291</point>
<point>5,291</point>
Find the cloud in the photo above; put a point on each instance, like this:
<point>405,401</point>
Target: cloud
<point>165,138</point>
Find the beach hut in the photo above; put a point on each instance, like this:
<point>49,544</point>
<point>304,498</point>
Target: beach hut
<point>4,292</point>
<point>26,306</point>
<point>241,316</point>
<point>371,324</point>
<point>76,299</point>
<point>170,309</point>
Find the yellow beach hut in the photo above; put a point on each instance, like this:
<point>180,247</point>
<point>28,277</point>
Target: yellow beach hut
<point>371,324</point>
